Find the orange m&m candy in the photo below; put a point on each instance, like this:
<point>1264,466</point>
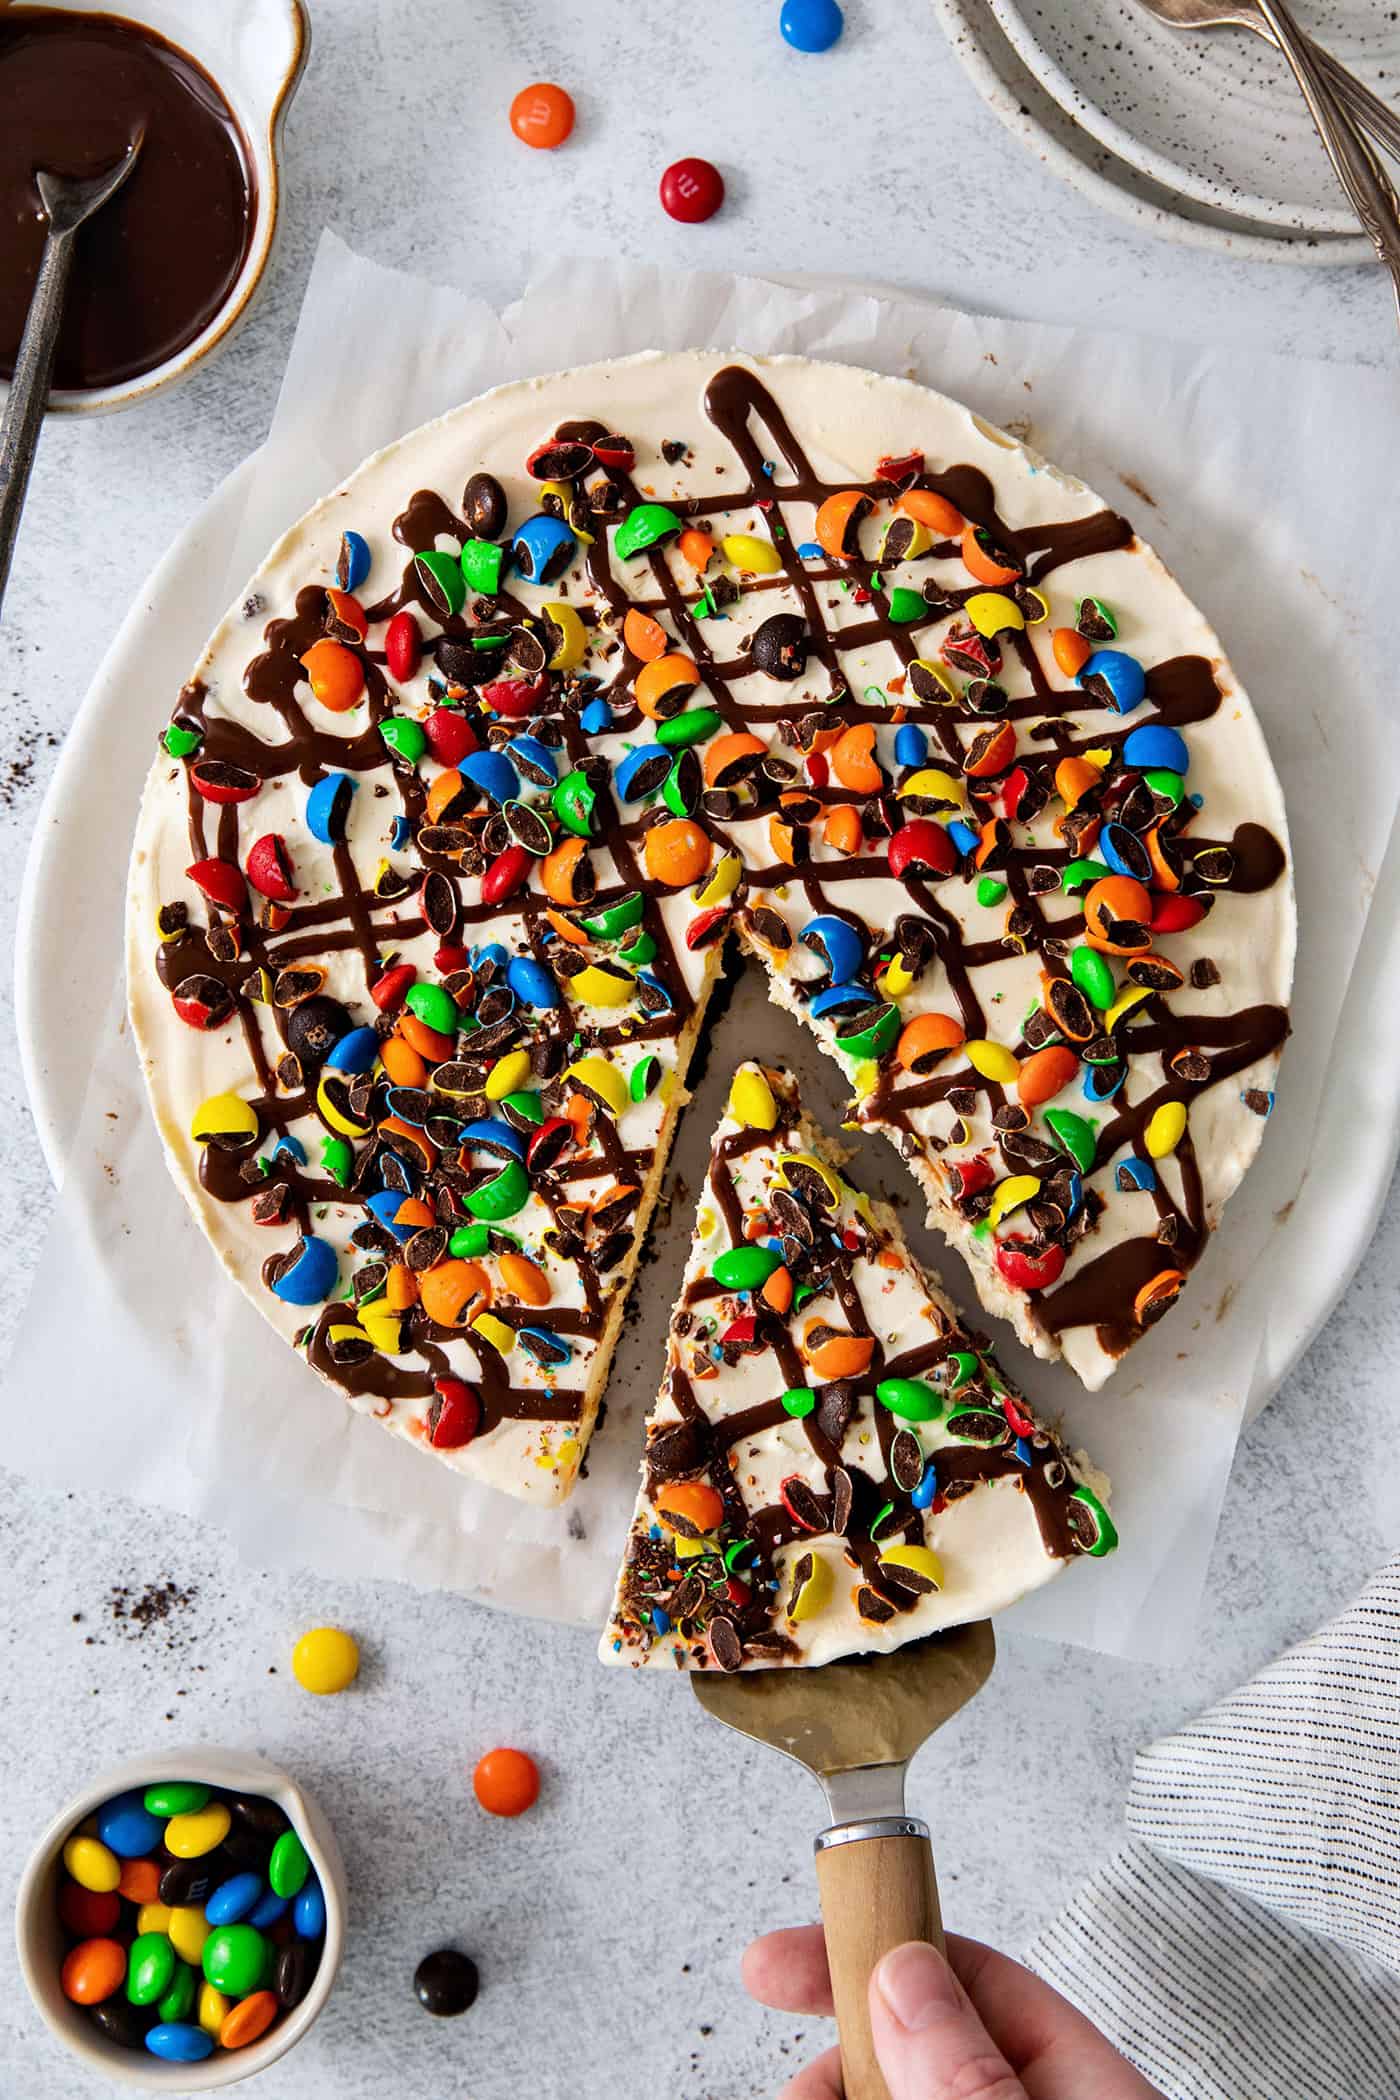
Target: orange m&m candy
<point>1071,650</point>
<point>542,115</point>
<point>336,673</point>
<point>506,1782</point>
<point>927,507</point>
<point>645,637</point>
<point>93,1970</point>
<point>690,1507</point>
<point>677,853</point>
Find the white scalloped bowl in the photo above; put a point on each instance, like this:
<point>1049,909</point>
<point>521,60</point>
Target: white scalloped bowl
<point>255,50</point>
<point>40,1940</point>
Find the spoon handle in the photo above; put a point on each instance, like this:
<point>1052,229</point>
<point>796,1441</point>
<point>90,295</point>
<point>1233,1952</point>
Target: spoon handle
<point>29,389</point>
<point>1357,168</point>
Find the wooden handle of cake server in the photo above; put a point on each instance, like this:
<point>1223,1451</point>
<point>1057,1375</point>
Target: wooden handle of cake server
<point>877,1890</point>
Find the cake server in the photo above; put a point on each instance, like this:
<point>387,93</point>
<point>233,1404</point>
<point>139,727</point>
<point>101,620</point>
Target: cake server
<point>67,206</point>
<point>856,1725</point>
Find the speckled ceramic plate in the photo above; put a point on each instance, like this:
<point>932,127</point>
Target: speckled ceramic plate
<point>1215,116</point>
<point>1026,108</point>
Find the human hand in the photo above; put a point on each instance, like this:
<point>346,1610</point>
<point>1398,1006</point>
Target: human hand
<point>975,2027</point>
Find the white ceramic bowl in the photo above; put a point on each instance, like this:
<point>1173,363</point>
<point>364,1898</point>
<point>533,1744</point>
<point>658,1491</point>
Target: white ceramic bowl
<point>40,1938</point>
<point>255,50</point>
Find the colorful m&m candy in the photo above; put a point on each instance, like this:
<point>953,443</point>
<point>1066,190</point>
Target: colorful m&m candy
<point>202,1940</point>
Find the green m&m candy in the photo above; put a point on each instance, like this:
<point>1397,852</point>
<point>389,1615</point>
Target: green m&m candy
<point>575,801</point>
<point>1093,973</point>
<point>1081,873</point>
<point>481,567</point>
<point>178,2002</point>
<point>406,738</point>
<point>527,1106</point>
<point>613,920</point>
<point>502,1196</point>
<point>799,1401</point>
<point>746,1268</point>
<point>289,1865</point>
<point>175,1797</point>
<point>442,582</point>
<point>909,1398</point>
<point>694,726</point>
<point>235,1956</point>
<point>150,1968</point>
<point>470,1242</point>
<point>181,742</point>
<point>1091,1524</point>
<point>645,1078</point>
<point>645,527</point>
<point>878,1027</point>
<point>435,1008</point>
<point>1075,1134</point>
<point>907,606</point>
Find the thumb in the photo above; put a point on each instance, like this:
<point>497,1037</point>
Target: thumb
<point>928,2038</point>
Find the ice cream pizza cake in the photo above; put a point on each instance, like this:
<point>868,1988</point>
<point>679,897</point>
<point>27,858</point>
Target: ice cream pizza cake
<point>833,1464</point>
<point>513,731</point>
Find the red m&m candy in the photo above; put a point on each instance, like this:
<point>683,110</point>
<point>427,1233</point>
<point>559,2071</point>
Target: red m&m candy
<point>542,115</point>
<point>692,190</point>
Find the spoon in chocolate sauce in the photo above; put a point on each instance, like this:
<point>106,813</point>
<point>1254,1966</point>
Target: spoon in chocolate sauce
<point>67,206</point>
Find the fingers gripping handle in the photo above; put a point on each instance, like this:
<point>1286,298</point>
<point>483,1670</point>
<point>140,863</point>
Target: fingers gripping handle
<point>877,1890</point>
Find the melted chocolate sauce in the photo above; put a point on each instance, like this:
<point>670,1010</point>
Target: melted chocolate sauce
<point>156,264</point>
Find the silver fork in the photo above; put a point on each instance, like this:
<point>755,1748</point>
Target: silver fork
<point>1372,196</point>
<point>1375,116</point>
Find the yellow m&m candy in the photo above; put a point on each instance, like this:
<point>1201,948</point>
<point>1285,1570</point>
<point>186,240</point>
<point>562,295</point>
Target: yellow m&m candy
<point>326,1660</point>
<point>91,1865</point>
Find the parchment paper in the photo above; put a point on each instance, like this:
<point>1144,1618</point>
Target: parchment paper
<point>1260,481</point>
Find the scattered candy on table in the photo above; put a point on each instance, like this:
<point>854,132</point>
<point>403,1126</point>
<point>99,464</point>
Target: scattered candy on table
<point>326,1660</point>
<point>192,1919</point>
<point>692,190</point>
<point>506,1782</point>
<point>542,115</point>
<point>446,1982</point>
<point>811,25</point>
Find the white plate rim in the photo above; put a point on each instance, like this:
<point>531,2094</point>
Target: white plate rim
<point>1326,221</point>
<point>974,34</point>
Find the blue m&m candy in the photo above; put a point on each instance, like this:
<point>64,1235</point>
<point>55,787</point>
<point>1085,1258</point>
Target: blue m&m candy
<point>1113,674</point>
<point>179,2042</point>
<point>233,1899</point>
<point>1156,747</point>
<point>811,25</point>
<point>311,1274</point>
<point>126,1828</point>
<point>328,808</point>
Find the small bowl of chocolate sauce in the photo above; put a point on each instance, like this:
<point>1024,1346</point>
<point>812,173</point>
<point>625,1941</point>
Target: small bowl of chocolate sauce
<point>167,270</point>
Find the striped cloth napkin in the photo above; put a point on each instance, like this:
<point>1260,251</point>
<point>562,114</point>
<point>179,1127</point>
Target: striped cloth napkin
<point>1246,1945</point>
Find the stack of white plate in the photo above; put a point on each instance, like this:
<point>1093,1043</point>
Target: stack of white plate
<point>1200,135</point>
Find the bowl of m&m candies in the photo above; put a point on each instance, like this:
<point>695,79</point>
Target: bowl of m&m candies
<point>180,1923</point>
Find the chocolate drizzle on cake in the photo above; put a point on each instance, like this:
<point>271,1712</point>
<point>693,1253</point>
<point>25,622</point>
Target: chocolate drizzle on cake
<point>857,1495</point>
<point>233,956</point>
